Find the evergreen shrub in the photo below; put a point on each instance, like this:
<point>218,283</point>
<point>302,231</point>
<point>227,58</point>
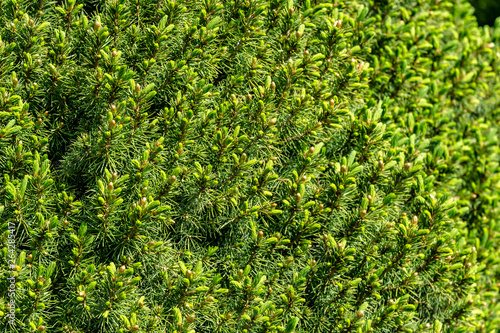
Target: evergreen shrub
<point>248,166</point>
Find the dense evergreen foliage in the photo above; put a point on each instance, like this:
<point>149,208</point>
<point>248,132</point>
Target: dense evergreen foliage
<point>249,166</point>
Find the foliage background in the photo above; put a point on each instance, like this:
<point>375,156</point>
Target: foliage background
<point>260,166</point>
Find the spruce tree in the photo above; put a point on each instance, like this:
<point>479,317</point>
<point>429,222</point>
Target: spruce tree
<point>249,166</point>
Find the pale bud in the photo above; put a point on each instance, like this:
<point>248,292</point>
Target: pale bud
<point>360,314</point>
